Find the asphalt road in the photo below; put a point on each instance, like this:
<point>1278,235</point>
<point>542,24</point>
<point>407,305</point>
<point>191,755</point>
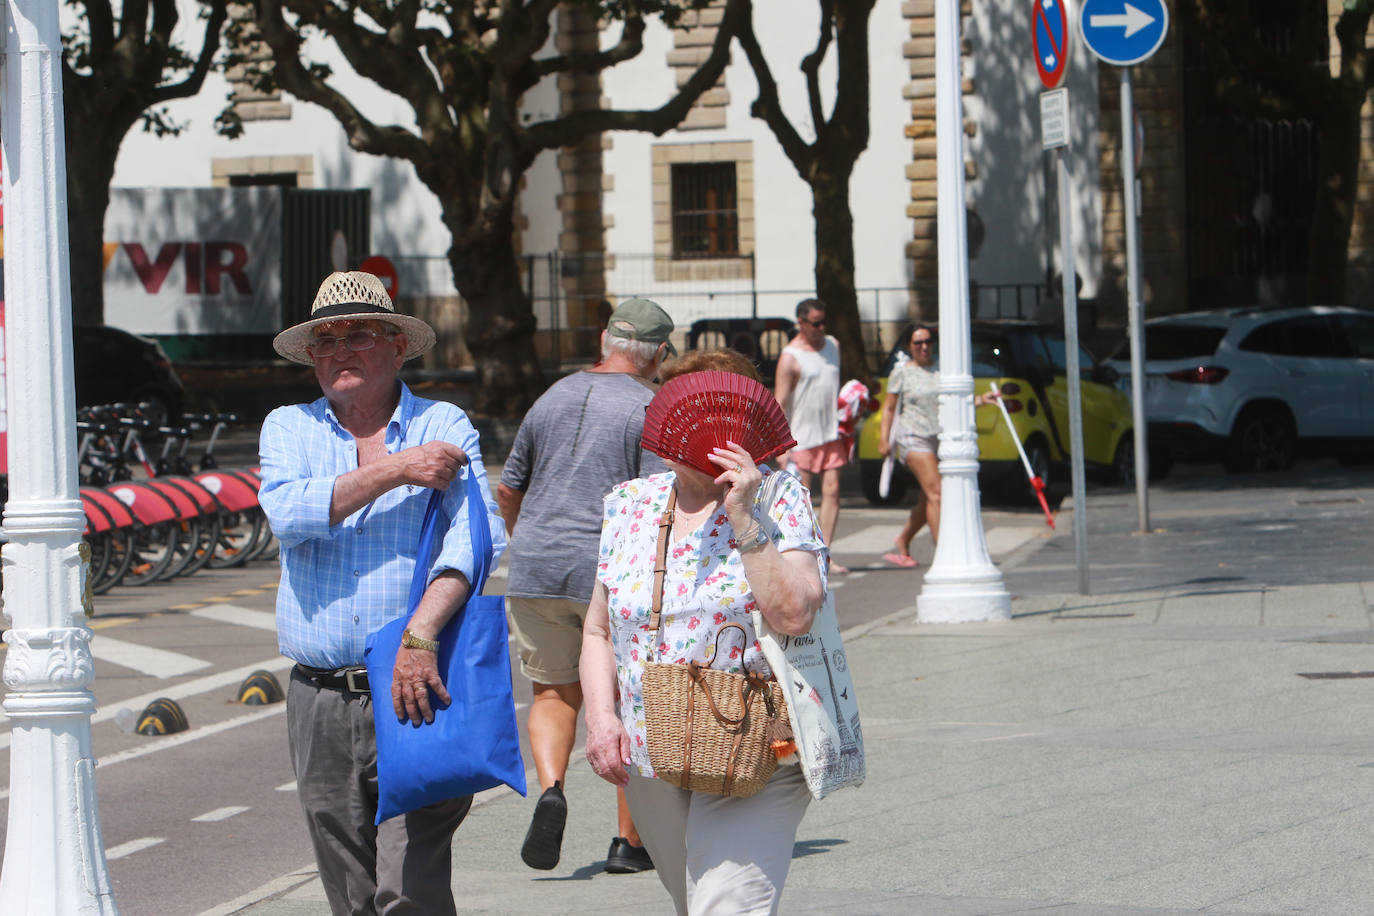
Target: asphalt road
<point>195,820</point>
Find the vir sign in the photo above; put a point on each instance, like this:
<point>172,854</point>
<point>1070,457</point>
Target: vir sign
<point>1123,32</point>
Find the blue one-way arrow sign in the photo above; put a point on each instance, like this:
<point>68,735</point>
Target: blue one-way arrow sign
<point>1123,32</point>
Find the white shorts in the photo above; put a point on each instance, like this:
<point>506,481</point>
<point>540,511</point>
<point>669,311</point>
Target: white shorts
<point>911,442</point>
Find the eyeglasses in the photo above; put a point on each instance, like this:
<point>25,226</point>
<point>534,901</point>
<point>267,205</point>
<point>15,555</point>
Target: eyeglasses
<point>814,324</point>
<point>361,339</point>
<point>923,342</point>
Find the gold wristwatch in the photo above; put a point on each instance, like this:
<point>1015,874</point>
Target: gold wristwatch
<point>410,641</point>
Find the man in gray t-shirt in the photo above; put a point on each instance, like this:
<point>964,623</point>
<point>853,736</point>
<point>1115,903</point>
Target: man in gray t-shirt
<point>580,439</point>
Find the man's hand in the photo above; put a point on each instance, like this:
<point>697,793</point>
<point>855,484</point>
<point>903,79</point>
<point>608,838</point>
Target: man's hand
<point>433,465</point>
<point>416,674</point>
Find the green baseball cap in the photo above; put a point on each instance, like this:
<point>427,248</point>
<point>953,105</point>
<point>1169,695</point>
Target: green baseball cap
<point>640,319</point>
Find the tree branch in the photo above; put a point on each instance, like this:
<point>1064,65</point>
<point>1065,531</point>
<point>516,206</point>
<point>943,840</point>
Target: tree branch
<point>100,21</point>
<point>848,129</point>
<point>564,130</point>
<point>629,46</point>
<point>391,59</point>
<point>214,25</point>
<point>811,64</point>
<point>294,77</point>
<point>767,106</point>
<point>133,23</point>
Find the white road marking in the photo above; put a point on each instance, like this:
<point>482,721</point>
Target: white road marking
<point>219,814</point>
<point>181,691</point>
<point>286,787</point>
<point>180,738</point>
<point>289,882</point>
<point>238,616</point>
<point>144,659</point>
<point>131,847</point>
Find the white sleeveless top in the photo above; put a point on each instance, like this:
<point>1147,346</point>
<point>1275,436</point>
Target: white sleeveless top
<point>813,413</point>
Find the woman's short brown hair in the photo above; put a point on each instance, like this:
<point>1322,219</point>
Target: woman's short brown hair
<point>716,359</point>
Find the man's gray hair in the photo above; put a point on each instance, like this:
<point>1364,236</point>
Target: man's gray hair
<point>639,352</point>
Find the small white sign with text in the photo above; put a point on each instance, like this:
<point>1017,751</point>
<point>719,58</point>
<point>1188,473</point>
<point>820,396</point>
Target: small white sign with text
<point>1054,119</point>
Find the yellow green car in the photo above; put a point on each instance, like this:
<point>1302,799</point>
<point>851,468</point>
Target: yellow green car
<point>1026,361</point>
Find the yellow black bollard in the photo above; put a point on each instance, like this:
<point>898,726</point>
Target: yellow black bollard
<point>162,717</point>
<point>260,688</point>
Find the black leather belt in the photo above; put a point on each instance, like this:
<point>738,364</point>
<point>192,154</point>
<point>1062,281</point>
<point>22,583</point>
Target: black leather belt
<point>352,679</point>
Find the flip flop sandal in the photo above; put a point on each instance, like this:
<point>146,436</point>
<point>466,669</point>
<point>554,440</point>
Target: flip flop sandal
<point>900,559</point>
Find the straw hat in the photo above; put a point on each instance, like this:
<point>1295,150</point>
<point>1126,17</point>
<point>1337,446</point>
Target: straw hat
<point>355,295</point>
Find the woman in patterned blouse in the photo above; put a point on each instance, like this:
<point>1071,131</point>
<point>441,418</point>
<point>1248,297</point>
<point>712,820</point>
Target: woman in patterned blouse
<point>915,384</point>
<point>714,854</point>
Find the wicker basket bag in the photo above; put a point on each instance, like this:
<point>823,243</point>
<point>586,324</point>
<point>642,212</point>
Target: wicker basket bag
<point>707,730</point>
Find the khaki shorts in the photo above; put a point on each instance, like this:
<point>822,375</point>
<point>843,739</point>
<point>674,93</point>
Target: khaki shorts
<point>548,636</point>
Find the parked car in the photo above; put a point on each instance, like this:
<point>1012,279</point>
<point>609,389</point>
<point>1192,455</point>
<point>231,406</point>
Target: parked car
<point>1250,385</point>
<point>114,366</point>
<point>1027,363</point>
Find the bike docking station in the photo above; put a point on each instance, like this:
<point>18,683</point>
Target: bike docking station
<point>1123,33</point>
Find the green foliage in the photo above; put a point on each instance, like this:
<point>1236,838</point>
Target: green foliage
<point>669,11</point>
<point>159,123</point>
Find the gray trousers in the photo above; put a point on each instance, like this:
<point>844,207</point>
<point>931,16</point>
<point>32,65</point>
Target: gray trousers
<point>402,866</point>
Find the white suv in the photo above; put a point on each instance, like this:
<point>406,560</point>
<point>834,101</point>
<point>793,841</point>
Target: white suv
<point>1249,383</point>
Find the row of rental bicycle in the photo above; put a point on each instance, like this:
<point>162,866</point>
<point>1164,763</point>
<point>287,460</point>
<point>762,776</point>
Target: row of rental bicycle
<point>157,503</point>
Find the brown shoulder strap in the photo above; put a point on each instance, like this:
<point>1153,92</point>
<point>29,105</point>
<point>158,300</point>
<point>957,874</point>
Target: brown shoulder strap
<point>665,527</point>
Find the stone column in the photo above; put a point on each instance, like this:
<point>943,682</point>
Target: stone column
<point>54,855</point>
<point>962,584</point>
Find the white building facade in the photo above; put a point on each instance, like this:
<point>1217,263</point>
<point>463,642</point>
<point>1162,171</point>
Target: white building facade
<point>757,261</point>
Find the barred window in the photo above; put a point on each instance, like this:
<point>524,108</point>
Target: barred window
<point>705,210</point>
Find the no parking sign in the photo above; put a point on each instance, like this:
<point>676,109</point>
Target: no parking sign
<point>1050,36</point>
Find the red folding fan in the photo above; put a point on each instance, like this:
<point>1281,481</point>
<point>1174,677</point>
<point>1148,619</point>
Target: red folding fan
<point>699,411</point>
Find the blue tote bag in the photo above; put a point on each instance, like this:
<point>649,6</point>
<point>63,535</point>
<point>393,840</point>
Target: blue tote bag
<point>473,744</point>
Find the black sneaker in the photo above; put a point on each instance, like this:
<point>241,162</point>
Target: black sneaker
<point>544,841</point>
<point>624,859</point>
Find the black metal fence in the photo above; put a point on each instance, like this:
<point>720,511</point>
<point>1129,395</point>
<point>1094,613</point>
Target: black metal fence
<point>567,292</point>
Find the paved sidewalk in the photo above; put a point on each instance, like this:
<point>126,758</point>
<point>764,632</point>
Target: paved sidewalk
<point>1146,753</point>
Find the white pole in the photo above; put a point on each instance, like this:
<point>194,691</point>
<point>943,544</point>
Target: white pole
<point>54,855</point>
<point>1068,276</point>
<point>962,584</point>
<point>1135,311</point>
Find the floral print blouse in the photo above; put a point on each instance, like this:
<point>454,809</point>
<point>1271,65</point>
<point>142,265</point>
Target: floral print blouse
<point>703,589</point>
<point>920,401</point>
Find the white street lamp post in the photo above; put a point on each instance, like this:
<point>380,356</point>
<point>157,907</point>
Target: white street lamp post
<point>962,584</point>
<point>54,856</point>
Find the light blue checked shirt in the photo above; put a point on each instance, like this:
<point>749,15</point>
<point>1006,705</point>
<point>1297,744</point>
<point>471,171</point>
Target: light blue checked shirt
<point>341,582</point>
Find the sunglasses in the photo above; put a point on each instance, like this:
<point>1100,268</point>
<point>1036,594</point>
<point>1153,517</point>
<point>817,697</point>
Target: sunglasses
<point>814,324</point>
<point>924,342</point>
<point>324,347</point>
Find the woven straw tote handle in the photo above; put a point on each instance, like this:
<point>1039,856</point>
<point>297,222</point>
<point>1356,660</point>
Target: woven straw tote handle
<point>748,685</point>
<point>665,527</point>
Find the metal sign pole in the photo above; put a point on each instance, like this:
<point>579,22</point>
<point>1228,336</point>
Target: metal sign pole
<point>1134,307</point>
<point>1071,368</point>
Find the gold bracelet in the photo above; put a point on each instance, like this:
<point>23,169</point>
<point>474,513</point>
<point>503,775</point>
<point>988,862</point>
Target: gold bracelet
<point>410,641</point>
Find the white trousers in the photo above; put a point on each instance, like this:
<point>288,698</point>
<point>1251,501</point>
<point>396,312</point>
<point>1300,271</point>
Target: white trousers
<point>718,855</point>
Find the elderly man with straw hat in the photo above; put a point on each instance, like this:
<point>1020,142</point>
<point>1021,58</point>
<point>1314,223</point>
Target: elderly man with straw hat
<point>345,481</point>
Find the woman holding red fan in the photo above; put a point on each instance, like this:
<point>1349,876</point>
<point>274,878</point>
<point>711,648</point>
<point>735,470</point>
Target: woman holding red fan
<point>712,424</point>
